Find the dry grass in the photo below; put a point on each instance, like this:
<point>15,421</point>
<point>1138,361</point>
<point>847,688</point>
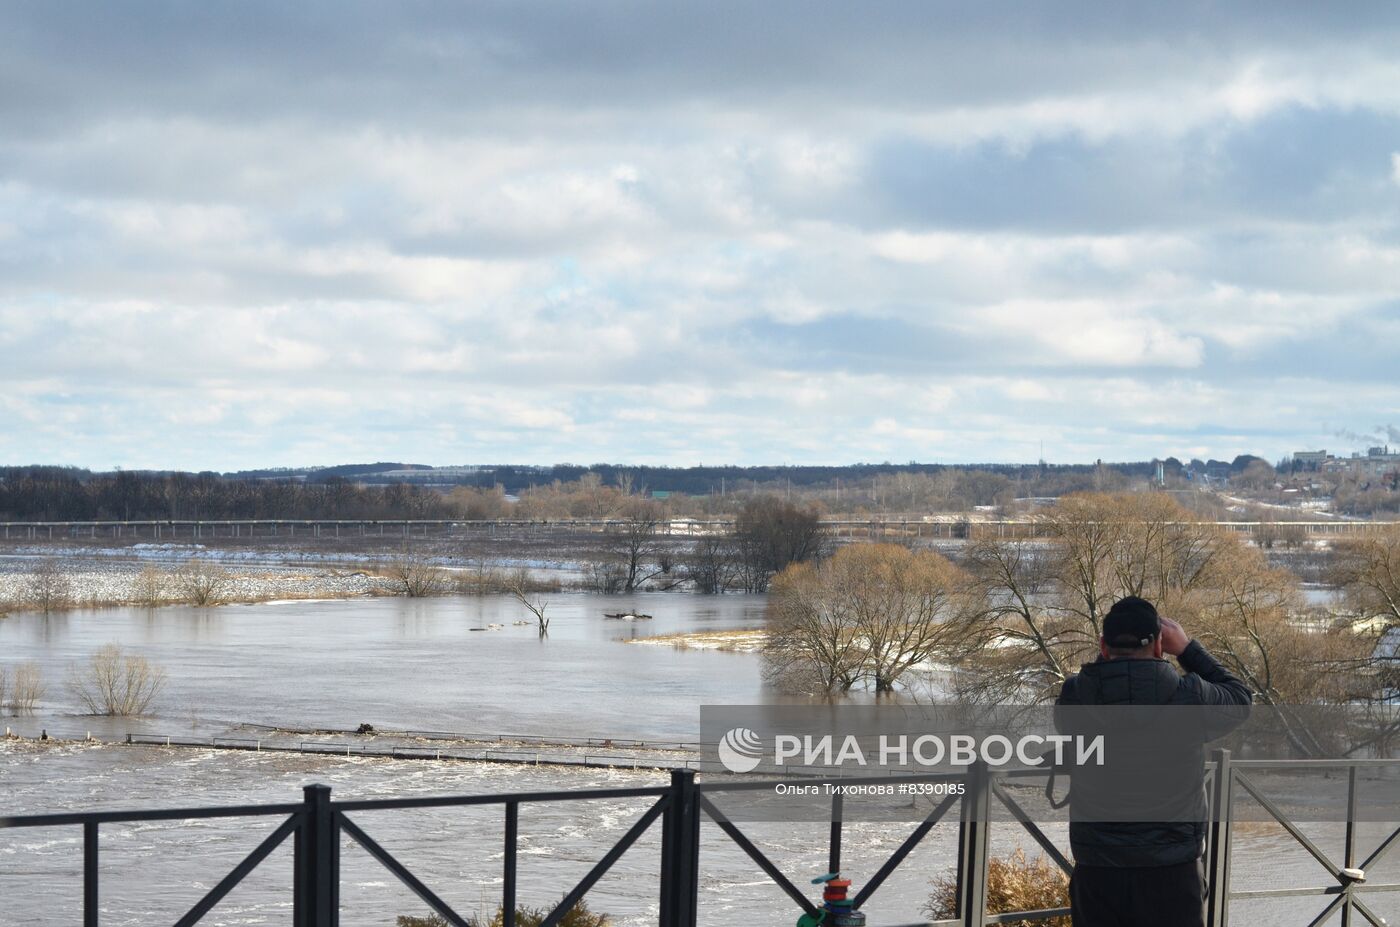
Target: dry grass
<point>1014,883</point>
<point>578,916</point>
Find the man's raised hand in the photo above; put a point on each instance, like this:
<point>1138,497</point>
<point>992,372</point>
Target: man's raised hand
<point>1174,637</point>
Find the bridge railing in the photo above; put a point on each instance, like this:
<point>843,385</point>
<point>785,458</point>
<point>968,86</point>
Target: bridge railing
<point>317,825</point>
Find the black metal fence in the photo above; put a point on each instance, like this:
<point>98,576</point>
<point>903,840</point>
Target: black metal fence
<point>317,824</point>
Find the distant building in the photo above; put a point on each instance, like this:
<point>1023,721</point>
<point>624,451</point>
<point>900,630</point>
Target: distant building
<point>1377,461</point>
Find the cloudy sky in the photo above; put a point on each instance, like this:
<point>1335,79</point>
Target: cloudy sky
<point>248,234</point>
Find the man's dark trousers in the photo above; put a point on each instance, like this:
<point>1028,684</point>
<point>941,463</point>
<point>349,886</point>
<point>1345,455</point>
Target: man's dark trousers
<point>1138,896</point>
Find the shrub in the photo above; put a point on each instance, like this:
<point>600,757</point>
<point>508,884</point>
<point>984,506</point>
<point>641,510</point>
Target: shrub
<point>48,589</point>
<point>480,579</point>
<point>608,577</point>
<point>26,690</point>
<point>116,683</point>
<point>579,916</point>
<point>1014,883</point>
<point>414,576</point>
<point>202,583</point>
<point>149,587</point>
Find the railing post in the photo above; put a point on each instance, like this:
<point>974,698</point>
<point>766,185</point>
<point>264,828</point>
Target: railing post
<point>680,852</point>
<point>316,895</point>
<point>1218,863</point>
<point>833,860</point>
<point>508,867</point>
<point>974,832</point>
<point>90,874</point>
<point>1349,844</point>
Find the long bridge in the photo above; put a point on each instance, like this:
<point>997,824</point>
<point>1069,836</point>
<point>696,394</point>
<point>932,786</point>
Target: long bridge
<point>951,527</point>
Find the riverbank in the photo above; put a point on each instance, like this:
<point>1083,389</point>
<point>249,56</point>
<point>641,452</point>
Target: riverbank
<point>114,585</point>
<point>64,577</point>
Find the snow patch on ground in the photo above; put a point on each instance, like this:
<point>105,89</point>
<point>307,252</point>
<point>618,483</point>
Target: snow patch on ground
<point>741,641</point>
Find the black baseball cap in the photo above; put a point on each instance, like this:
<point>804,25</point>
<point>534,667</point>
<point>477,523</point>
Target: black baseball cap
<point>1131,622</point>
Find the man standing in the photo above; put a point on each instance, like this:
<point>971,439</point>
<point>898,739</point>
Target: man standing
<point>1132,873</point>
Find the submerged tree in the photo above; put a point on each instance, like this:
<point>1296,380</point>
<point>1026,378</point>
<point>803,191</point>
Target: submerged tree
<point>114,682</point>
<point>637,549</point>
<point>871,612</point>
<point>26,688</point>
<point>770,533</point>
<point>520,590</point>
<point>48,588</point>
<point>713,564</point>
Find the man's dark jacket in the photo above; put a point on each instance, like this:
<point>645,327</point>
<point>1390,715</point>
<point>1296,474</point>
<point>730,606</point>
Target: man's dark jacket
<point>1177,781</point>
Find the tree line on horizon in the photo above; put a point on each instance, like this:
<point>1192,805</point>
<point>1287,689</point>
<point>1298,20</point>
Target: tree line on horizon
<point>47,493</point>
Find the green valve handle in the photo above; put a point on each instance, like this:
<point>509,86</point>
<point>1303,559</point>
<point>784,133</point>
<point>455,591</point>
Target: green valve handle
<point>811,920</point>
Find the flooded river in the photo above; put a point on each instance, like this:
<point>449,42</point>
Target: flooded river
<point>408,663</point>
<point>417,664</point>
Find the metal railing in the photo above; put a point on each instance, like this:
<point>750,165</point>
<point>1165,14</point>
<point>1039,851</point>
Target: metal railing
<point>317,825</point>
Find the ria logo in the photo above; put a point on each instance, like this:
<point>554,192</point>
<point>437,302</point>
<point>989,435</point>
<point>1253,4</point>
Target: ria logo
<point>740,750</point>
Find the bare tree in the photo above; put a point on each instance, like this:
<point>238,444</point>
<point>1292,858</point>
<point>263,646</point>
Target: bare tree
<point>149,589</point>
<point>520,590</point>
<point>637,544</point>
<point>1248,617</point>
<point>713,564</point>
<point>812,645</point>
<point>415,576</point>
<point>872,611</point>
<point>1046,599</point>
<point>771,533</point>
<point>607,576</point>
<point>48,588</point>
<point>27,689</point>
<point>1368,573</point>
<point>203,583</point>
<point>116,683</point>
<point>1022,646</point>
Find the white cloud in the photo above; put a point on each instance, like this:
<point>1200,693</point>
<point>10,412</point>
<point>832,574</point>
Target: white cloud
<point>691,248</point>
<point>1075,332</point>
